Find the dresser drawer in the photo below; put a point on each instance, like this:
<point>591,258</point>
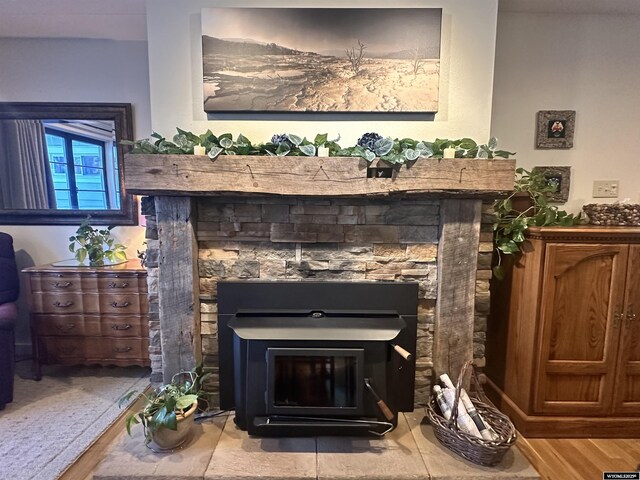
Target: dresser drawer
<point>93,349</point>
<point>66,325</point>
<point>57,303</point>
<point>122,284</point>
<point>121,348</point>
<point>122,304</point>
<point>59,348</point>
<point>91,325</point>
<point>127,326</point>
<point>63,282</point>
<point>89,303</point>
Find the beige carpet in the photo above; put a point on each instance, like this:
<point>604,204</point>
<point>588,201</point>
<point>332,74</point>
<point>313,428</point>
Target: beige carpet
<point>51,422</point>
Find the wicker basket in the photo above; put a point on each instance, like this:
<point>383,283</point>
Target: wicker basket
<point>615,214</point>
<point>474,449</point>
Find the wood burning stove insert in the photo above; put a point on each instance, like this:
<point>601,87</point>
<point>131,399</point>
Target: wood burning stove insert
<point>317,358</point>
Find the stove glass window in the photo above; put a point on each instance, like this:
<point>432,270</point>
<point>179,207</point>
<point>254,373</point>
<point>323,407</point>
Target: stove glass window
<point>315,380</point>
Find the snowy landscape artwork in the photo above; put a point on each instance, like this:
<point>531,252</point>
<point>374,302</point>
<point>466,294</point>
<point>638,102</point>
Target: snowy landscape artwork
<point>321,59</point>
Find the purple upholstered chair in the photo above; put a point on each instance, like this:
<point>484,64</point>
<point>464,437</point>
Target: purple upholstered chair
<point>9,289</point>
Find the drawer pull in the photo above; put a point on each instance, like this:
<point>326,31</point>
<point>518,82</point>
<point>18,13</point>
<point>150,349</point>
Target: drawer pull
<point>122,349</point>
<point>66,304</point>
<point>121,326</point>
<point>66,328</point>
<point>115,285</point>
<point>61,284</point>
<point>124,304</point>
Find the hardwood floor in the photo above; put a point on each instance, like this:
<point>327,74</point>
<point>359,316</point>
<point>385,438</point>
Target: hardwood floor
<point>580,458</point>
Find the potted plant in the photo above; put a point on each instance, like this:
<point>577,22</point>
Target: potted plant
<point>96,245</point>
<point>169,411</point>
<point>528,205</point>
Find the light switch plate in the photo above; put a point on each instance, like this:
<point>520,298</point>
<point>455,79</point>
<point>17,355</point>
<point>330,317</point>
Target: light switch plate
<point>605,188</point>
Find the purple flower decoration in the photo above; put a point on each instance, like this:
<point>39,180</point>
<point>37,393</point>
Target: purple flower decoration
<point>368,140</point>
<point>280,139</point>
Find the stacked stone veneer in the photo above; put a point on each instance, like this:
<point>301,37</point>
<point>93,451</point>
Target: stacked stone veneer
<point>335,240</point>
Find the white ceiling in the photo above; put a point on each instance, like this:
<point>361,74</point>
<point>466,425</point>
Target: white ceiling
<point>125,19</point>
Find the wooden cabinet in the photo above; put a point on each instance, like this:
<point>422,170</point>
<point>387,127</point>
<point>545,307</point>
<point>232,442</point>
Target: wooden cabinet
<point>89,315</point>
<point>563,339</point>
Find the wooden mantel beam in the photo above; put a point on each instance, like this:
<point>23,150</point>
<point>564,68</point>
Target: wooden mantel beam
<point>191,175</point>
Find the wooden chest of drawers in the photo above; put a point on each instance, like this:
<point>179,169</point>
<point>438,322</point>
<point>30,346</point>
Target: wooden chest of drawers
<point>89,315</point>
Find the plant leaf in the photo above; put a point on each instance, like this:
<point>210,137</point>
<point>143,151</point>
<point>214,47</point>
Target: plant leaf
<point>368,155</point>
<point>295,139</point>
<point>308,150</point>
<point>186,401</point>
<point>214,152</point>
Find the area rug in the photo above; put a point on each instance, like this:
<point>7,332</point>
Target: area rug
<point>52,422</point>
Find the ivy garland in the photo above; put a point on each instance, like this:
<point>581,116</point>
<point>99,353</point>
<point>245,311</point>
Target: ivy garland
<point>369,146</point>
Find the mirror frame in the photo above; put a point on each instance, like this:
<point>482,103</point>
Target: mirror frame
<point>120,114</point>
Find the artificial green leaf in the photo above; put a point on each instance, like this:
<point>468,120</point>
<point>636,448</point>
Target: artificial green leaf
<point>410,154</point>
<point>383,146</point>
<point>493,143</point>
<point>242,140</point>
<point>368,155</point>
<point>295,139</point>
<point>214,152</point>
<point>226,142</point>
<point>81,255</point>
<point>283,149</point>
<point>320,139</point>
<point>308,150</point>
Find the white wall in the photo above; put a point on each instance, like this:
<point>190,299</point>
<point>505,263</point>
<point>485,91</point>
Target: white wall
<point>65,70</point>
<point>468,43</point>
<point>586,63</point>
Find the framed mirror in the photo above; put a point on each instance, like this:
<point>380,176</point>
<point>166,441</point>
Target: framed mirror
<point>60,162</point>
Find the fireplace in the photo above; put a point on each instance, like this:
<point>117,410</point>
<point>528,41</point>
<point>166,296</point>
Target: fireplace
<point>317,358</point>
<point>300,219</point>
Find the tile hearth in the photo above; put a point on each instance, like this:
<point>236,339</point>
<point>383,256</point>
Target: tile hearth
<point>220,451</point>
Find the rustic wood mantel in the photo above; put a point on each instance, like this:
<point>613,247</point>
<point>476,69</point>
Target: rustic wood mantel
<point>194,175</point>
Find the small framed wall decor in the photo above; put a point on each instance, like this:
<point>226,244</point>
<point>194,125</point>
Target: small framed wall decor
<point>560,177</point>
<point>555,128</point>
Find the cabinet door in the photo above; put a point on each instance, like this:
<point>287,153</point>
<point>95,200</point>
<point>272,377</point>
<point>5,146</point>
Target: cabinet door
<point>581,306</point>
<point>627,387</point>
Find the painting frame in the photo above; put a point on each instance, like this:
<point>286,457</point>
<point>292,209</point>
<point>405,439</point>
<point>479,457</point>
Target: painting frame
<point>321,60</point>
<point>559,175</point>
<point>555,129</point>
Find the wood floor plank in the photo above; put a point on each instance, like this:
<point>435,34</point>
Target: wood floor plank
<point>580,459</point>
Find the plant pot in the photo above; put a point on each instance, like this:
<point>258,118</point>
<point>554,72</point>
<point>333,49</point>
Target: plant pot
<point>521,202</point>
<point>167,439</point>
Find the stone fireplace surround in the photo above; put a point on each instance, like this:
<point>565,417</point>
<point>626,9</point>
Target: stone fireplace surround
<point>441,240</point>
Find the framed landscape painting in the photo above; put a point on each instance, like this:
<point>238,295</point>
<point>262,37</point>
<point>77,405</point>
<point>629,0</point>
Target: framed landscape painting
<point>321,59</point>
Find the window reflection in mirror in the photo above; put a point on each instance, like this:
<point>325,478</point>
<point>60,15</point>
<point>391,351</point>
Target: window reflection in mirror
<point>60,162</point>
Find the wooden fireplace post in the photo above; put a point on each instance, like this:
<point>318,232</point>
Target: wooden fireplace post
<point>457,265</point>
<point>178,284</point>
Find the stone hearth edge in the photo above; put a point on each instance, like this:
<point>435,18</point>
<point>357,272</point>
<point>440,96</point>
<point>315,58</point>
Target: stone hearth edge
<point>220,451</point>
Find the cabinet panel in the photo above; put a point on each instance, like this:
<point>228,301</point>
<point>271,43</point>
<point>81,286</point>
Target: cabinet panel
<point>627,392</point>
<point>566,358</point>
<point>582,298</point>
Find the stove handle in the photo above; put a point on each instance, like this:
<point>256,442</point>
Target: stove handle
<point>402,352</point>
